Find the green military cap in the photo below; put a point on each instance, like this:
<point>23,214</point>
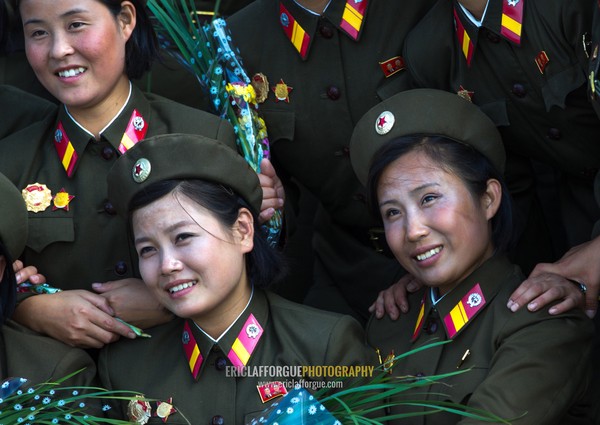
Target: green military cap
<point>180,157</point>
<point>424,112</point>
<point>13,218</point>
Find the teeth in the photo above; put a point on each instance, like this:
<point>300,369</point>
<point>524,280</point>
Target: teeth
<point>429,253</point>
<point>181,287</point>
<point>71,72</point>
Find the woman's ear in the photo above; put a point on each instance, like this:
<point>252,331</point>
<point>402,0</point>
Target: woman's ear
<point>492,198</point>
<point>127,19</point>
<point>244,230</point>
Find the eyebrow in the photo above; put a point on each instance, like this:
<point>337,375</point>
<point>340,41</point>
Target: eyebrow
<point>413,191</point>
<point>64,15</point>
<point>169,229</point>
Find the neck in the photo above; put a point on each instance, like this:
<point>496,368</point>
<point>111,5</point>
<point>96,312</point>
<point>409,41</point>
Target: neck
<point>476,7</point>
<point>217,321</point>
<point>96,117</point>
<point>317,6</point>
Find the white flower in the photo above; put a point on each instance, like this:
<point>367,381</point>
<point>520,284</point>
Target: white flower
<point>312,409</point>
<point>290,410</point>
<point>295,400</point>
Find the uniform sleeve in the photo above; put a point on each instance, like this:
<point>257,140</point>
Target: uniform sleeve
<point>539,370</point>
<point>347,346</point>
<point>577,16</point>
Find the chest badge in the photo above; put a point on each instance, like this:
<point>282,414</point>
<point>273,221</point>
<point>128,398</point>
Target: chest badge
<point>37,197</point>
<point>282,91</point>
<point>62,200</point>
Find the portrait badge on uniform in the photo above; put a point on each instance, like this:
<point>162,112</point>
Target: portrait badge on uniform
<point>282,92</point>
<point>37,197</point>
<point>541,60</point>
<point>62,200</point>
<point>270,390</point>
<point>384,122</point>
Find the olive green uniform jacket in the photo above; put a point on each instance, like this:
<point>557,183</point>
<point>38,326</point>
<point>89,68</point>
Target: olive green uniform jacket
<point>534,89</point>
<point>86,241</point>
<point>331,80</point>
<point>20,109</point>
<point>293,335</point>
<point>38,358</point>
<point>522,363</point>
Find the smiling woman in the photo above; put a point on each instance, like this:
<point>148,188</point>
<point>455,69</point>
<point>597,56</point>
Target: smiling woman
<point>204,257</point>
<point>85,52</point>
<point>435,179</point>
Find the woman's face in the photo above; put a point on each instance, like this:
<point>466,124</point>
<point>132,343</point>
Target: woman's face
<point>191,263</point>
<point>77,50</point>
<point>433,225</point>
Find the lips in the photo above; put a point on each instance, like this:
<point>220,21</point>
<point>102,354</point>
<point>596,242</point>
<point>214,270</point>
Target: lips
<point>429,253</point>
<point>181,286</point>
<point>72,72</point>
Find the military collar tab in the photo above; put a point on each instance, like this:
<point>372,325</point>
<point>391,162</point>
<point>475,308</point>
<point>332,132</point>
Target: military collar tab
<point>239,353</point>
<point>464,311</point>
<point>459,315</point>
<point>299,26</point>
<point>508,23</point>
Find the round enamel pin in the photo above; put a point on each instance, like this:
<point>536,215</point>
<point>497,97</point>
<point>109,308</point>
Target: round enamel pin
<point>384,122</point>
<point>141,170</point>
<point>37,197</point>
<point>474,299</point>
<point>252,330</point>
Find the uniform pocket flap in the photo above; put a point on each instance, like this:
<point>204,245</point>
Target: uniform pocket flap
<point>497,112</point>
<point>560,85</point>
<point>44,231</point>
<point>280,124</point>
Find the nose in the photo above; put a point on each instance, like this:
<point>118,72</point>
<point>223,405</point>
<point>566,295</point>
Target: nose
<point>61,46</point>
<point>416,228</point>
<point>169,263</point>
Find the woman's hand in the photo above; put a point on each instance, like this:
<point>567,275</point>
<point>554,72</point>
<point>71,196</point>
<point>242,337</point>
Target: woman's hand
<point>27,274</point>
<point>580,264</point>
<point>131,301</point>
<point>78,318</point>
<point>394,299</point>
<point>273,193</point>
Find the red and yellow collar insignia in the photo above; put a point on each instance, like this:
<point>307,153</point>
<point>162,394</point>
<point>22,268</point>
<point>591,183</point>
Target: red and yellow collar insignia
<point>419,324</point>
<point>246,342</point>
<point>62,200</point>
<point>464,40</point>
<point>512,20</point>
<point>192,351</point>
<point>464,311</point>
<point>282,91</point>
<point>270,390</point>
<point>353,17</point>
<point>135,131</point>
<point>66,152</point>
<point>37,197</point>
<point>294,31</point>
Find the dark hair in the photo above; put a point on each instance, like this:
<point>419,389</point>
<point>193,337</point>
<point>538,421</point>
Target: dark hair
<point>462,160</point>
<point>8,287</point>
<point>264,264</point>
<point>142,47</point>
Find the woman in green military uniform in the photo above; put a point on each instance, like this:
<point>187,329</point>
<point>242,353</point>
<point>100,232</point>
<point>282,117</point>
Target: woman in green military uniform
<point>23,353</point>
<point>433,166</point>
<point>322,64</point>
<point>193,206</point>
<point>85,53</point>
